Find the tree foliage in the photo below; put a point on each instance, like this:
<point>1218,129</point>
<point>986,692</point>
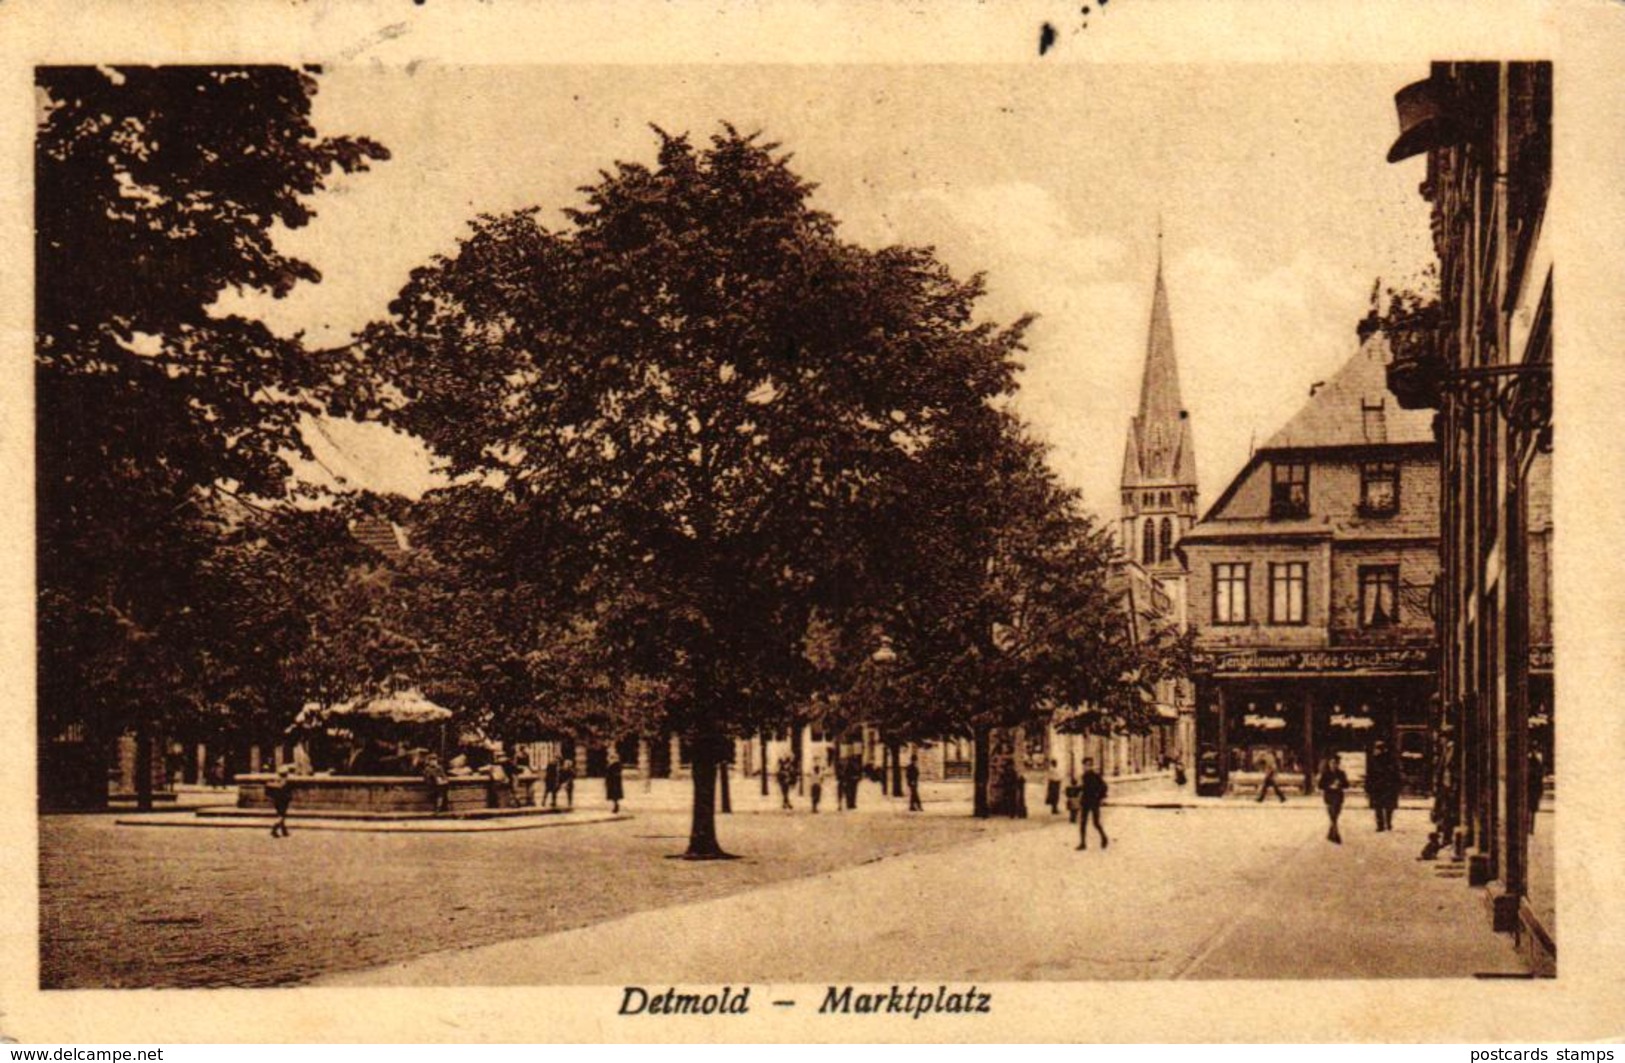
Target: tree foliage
<point>157,189</point>
<point>704,400</point>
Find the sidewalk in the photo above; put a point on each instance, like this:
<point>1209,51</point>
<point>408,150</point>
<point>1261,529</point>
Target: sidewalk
<point>1198,894</point>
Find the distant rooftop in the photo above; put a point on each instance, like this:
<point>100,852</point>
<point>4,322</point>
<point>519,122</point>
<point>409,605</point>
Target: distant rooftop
<point>1355,408</point>
<point>381,535</point>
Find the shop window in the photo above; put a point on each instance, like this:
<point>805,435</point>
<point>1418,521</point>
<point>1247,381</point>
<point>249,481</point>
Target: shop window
<point>1289,489</point>
<point>1379,488</point>
<point>1166,547</point>
<point>1379,596</point>
<point>1230,593</point>
<point>1288,591</point>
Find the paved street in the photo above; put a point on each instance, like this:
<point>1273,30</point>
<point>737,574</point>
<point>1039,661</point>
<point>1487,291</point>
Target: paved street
<point>1228,890</point>
<point>1221,893</point>
<point>154,906</point>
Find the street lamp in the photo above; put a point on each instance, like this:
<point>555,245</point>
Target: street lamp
<point>884,656</point>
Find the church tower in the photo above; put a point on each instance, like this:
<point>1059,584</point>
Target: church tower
<point>1159,462</point>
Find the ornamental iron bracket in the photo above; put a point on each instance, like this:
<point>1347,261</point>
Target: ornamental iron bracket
<point>1521,392</point>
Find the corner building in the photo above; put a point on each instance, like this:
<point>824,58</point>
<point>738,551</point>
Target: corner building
<point>1309,585</point>
<point>1484,363</point>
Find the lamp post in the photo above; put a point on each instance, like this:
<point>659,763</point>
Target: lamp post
<point>884,657</point>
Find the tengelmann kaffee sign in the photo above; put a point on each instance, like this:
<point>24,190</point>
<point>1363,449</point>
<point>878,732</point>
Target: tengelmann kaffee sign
<point>1387,661</point>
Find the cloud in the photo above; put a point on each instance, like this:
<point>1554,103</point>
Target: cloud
<point>1252,342</point>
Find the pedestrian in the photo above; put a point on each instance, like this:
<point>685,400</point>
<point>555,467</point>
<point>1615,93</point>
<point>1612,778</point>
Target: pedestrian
<point>912,777</point>
<point>1092,792</point>
<point>614,790</point>
<point>1269,766</point>
<point>1333,785</point>
<point>815,789</point>
<point>567,782</point>
<point>1443,814</point>
<point>1074,794</point>
<point>1382,784</point>
<point>786,779</point>
<point>280,790</point>
<point>1536,783</point>
<point>854,775</point>
<point>439,783</point>
<point>1052,788</point>
<point>550,783</point>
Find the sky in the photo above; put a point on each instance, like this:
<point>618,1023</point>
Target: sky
<point>1276,206</point>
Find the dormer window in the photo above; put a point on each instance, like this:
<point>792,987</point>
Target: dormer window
<point>1289,489</point>
<point>1379,488</point>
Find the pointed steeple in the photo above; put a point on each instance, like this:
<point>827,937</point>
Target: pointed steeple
<point>1159,435</point>
<point>1159,459</point>
<point>1159,387</point>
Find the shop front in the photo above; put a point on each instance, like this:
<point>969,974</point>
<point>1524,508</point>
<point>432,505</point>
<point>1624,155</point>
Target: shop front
<point>1294,708</point>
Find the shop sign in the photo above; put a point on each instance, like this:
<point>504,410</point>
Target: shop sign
<point>1357,723</point>
<point>1263,723</point>
<point>1382,660</point>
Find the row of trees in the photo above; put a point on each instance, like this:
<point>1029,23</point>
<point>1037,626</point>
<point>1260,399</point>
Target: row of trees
<point>712,467</point>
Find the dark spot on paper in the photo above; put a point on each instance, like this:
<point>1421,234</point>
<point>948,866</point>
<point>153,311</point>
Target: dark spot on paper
<point>1046,38</point>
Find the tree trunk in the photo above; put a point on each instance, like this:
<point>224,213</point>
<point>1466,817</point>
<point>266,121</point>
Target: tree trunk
<point>764,764</point>
<point>143,765</point>
<point>896,749</point>
<point>702,832</point>
<point>722,778</point>
<point>980,753</point>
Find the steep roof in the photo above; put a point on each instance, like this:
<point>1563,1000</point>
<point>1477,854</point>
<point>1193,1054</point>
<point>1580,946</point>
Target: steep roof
<point>1355,408</point>
<point>1160,448</point>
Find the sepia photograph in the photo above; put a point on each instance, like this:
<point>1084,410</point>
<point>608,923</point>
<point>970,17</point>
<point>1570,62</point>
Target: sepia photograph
<point>818,539</point>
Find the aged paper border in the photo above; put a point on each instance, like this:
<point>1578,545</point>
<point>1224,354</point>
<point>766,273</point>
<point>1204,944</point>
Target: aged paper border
<point>1585,38</point>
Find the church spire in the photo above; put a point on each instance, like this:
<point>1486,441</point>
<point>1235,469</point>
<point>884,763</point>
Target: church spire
<point>1159,460</point>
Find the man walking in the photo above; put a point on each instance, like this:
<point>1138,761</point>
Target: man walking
<point>1269,766</point>
<point>815,786</point>
<point>1091,795</point>
<point>1382,785</point>
<point>1334,783</point>
<point>787,779</point>
<point>567,782</point>
<point>550,783</point>
<point>280,790</point>
<point>912,777</point>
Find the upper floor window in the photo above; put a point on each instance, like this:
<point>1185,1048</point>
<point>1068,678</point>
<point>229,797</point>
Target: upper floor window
<point>1379,488</point>
<point>1289,489</point>
<point>1289,583</point>
<point>1166,546</point>
<point>1379,595</point>
<point>1165,499</point>
<point>1230,593</point>
<point>1148,542</point>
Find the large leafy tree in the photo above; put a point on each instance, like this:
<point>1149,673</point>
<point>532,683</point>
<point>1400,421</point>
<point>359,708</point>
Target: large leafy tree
<point>157,189</point>
<point>709,396</point>
<point>1003,606</point>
